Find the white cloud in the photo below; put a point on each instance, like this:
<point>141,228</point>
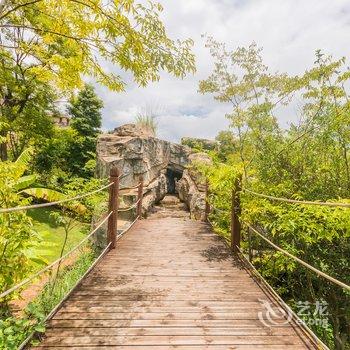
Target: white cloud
<point>290,31</point>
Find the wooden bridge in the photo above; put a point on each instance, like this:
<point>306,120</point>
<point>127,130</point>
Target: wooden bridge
<point>168,282</point>
<point>171,283</point>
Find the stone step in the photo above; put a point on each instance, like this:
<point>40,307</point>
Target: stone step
<point>170,200</point>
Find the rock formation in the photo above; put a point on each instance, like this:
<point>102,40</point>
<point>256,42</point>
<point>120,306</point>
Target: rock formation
<point>135,154</point>
<point>162,164</point>
<point>191,187</point>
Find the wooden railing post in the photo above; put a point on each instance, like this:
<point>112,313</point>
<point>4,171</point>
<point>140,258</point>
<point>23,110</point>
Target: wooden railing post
<point>140,197</point>
<point>235,213</point>
<point>250,252</point>
<point>207,205</point>
<point>113,207</point>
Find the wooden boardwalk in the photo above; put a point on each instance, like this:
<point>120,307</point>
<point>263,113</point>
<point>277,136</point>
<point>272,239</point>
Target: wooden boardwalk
<point>170,284</point>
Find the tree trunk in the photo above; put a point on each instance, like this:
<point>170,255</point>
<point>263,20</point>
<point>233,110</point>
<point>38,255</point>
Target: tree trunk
<point>3,146</point>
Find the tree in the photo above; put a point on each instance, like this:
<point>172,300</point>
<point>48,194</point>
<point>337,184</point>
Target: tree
<point>85,110</point>
<point>227,144</point>
<point>26,104</point>
<point>57,43</point>
<point>241,79</point>
<point>308,161</point>
<point>63,41</point>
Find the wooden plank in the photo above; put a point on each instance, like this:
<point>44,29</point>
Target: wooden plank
<point>83,315</point>
<point>173,340</point>
<point>181,288</point>
<point>166,303</point>
<point>171,347</point>
<point>164,309</point>
<point>58,323</point>
<point>171,331</point>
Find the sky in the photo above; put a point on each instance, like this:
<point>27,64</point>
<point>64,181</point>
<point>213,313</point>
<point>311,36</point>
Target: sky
<point>290,31</point>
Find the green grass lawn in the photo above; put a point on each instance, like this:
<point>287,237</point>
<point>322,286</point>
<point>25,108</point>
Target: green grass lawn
<point>53,235</point>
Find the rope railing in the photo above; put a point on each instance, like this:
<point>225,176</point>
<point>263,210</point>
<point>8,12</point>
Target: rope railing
<point>50,204</point>
<point>131,188</point>
<point>111,217</point>
<point>58,306</point>
<point>236,222</point>
<point>129,208</point>
<point>112,237</point>
<point>233,215</point>
<point>296,201</point>
<point>220,211</point>
<point>128,228</point>
<point>285,252</point>
<point>48,267</point>
<point>318,272</point>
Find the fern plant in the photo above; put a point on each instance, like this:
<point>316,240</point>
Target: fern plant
<point>26,184</point>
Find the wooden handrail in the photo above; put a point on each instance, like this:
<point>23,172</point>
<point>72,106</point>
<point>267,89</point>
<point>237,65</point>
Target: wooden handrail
<point>113,207</point>
<point>235,214</point>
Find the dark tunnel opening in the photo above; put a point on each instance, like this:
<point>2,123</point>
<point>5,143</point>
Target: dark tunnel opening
<point>172,176</point>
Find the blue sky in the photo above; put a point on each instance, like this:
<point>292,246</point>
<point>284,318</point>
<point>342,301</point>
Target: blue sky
<point>289,31</point>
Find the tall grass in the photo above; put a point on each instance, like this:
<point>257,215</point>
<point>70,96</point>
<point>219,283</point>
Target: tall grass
<point>146,120</point>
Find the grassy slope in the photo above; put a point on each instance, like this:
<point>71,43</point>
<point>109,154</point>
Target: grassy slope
<point>53,235</point>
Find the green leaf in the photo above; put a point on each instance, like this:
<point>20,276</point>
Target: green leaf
<point>25,157</point>
<point>54,196</point>
<point>24,182</point>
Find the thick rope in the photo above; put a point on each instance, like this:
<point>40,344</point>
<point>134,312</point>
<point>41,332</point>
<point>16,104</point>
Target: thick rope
<point>295,201</point>
<point>279,300</point>
<point>318,272</point>
<point>129,208</point>
<point>128,228</point>
<point>29,279</point>
<point>35,206</point>
<point>131,188</point>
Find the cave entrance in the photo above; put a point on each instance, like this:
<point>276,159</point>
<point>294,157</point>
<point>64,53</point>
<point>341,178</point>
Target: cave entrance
<point>172,176</point>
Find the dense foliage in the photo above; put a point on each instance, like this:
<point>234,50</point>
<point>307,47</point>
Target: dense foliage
<point>46,47</point>
<point>17,236</point>
<point>63,40</point>
<point>71,151</point>
<point>308,161</point>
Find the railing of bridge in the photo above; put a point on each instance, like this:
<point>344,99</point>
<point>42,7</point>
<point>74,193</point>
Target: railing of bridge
<point>244,237</point>
<point>50,273</point>
<point>237,223</point>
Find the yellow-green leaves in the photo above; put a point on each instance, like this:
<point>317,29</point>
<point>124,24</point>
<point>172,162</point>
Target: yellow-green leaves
<point>64,39</point>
